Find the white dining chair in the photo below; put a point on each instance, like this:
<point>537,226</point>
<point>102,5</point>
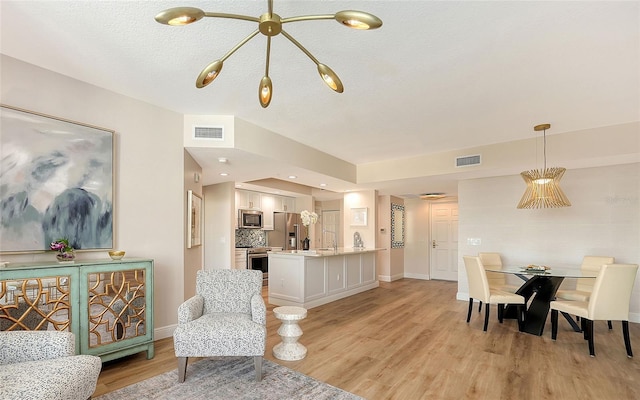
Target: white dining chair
<point>496,280</point>
<point>584,286</point>
<point>479,289</point>
<point>609,301</point>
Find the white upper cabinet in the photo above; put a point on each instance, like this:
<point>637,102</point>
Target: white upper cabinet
<point>247,200</point>
<point>267,202</point>
<point>284,203</point>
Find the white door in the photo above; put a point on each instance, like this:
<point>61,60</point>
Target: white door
<point>444,241</point>
<point>330,223</point>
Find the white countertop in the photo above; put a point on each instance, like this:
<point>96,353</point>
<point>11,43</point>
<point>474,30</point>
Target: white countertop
<point>326,253</point>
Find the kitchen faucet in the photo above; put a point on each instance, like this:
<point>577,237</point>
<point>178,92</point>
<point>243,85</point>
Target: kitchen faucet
<point>335,239</point>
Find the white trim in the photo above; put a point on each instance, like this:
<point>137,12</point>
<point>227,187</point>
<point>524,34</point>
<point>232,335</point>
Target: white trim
<point>418,276</point>
<point>164,332</point>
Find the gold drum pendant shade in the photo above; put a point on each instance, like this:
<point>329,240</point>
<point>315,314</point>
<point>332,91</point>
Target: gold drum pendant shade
<point>269,24</point>
<point>543,185</point>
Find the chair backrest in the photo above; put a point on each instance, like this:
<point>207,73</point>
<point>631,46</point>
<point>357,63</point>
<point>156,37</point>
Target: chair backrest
<point>493,260</point>
<point>228,290</point>
<point>592,264</point>
<point>612,292</point>
<point>477,276</point>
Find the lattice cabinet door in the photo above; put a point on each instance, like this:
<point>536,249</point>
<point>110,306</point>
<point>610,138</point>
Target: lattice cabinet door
<point>117,309</point>
<point>39,299</point>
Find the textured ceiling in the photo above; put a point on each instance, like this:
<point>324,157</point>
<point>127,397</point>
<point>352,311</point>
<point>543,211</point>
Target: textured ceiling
<point>437,76</point>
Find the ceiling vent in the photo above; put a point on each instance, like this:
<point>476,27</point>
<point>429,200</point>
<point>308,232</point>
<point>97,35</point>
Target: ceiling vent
<point>468,161</point>
<point>208,132</point>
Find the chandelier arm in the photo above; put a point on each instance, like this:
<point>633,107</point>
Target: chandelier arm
<point>308,18</point>
<point>236,47</point>
<point>232,16</point>
<point>266,68</point>
<point>301,47</point>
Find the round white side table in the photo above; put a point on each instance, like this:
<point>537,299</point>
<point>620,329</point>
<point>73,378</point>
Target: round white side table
<point>290,332</point>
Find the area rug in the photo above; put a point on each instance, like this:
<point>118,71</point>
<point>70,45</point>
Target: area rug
<point>231,378</point>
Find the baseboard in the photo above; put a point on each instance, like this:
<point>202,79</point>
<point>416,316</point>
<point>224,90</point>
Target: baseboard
<point>164,332</point>
<point>390,278</point>
<point>417,276</point>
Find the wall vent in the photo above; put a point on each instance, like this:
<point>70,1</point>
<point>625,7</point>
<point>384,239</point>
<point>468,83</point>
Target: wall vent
<point>208,132</point>
<point>468,161</point>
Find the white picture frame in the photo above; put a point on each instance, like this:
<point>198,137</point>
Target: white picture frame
<point>359,216</point>
<point>194,219</point>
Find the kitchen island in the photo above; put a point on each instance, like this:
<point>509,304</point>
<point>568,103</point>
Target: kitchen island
<point>310,278</point>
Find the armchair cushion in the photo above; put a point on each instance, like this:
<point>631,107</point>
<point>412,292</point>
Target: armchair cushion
<point>42,365</point>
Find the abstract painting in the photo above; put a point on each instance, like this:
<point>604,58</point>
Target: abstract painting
<point>56,181</point>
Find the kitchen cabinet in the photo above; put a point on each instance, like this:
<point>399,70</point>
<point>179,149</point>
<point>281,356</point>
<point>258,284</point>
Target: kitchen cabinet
<point>240,259</point>
<point>267,203</point>
<point>285,203</point>
<point>247,200</point>
<point>312,278</point>
<point>108,305</point>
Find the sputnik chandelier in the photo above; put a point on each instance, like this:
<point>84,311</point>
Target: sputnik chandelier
<point>269,24</point>
<point>543,185</point>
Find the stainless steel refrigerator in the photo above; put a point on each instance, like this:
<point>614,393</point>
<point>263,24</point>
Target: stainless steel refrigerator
<point>287,231</point>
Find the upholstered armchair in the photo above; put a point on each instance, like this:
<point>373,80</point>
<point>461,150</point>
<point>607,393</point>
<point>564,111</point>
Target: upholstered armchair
<point>43,365</point>
<point>226,317</point>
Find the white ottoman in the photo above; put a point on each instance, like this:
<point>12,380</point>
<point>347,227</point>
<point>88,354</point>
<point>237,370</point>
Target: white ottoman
<point>290,332</point>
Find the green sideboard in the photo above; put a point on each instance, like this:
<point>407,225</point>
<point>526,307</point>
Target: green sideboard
<point>107,304</point>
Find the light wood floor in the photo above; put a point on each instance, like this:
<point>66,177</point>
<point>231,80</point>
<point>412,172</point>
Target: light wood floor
<point>409,340</point>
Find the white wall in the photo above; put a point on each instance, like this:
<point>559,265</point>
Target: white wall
<point>193,257</point>
<point>362,199</point>
<point>416,245</point>
<point>219,225</point>
<point>149,201</point>
<point>604,219</point>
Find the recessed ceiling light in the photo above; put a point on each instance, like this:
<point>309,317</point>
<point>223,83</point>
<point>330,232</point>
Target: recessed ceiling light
<point>323,184</point>
<point>222,160</point>
<point>292,177</point>
<point>224,174</point>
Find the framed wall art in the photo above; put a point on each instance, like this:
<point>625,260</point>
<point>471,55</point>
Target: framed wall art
<point>57,182</point>
<point>194,219</point>
<point>359,216</point>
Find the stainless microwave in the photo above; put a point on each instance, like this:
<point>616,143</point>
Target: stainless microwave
<point>251,219</point>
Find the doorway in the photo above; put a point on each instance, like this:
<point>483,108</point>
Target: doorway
<point>330,224</point>
<point>444,241</point>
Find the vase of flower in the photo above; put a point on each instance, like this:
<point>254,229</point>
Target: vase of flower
<point>307,218</point>
<point>66,253</point>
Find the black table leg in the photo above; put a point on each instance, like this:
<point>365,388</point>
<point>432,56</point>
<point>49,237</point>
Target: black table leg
<point>538,293</point>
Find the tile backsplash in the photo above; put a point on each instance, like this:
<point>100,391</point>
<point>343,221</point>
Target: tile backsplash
<point>251,237</point>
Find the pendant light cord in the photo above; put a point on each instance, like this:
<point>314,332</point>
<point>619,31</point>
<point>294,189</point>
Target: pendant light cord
<point>544,148</point>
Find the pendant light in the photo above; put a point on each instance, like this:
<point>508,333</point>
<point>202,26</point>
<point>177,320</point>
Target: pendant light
<point>543,185</point>
<point>269,24</point>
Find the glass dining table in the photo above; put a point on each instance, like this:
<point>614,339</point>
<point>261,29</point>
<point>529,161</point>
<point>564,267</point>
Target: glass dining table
<point>539,289</point>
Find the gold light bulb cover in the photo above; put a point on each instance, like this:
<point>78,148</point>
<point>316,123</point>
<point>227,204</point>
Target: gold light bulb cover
<point>208,74</point>
<point>330,78</point>
<point>358,19</point>
<point>180,16</point>
<point>265,91</point>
